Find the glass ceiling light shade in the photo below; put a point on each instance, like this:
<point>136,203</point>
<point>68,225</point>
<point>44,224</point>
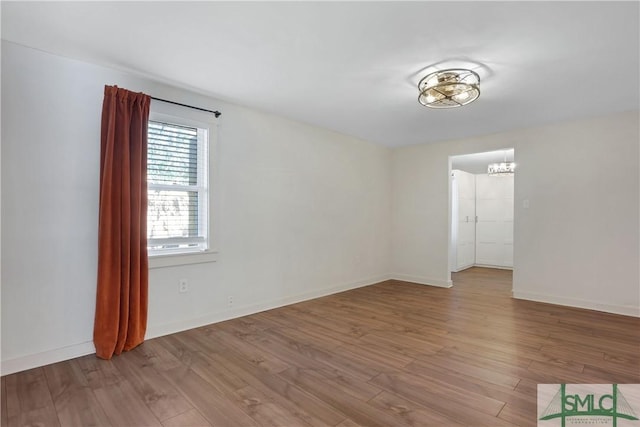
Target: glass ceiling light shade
<point>449,88</point>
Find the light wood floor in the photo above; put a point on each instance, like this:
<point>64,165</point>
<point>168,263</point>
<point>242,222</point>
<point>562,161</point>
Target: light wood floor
<point>391,354</point>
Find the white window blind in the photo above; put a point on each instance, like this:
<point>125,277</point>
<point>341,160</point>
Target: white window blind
<point>177,185</point>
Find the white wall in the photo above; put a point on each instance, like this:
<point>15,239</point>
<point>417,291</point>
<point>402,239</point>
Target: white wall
<point>577,243</point>
<point>302,211</point>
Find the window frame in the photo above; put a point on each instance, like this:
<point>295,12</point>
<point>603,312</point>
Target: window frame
<point>182,116</point>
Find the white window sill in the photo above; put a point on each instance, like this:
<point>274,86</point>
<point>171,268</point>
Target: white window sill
<point>161,261</point>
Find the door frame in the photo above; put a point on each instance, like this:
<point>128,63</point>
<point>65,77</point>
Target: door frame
<point>450,160</point>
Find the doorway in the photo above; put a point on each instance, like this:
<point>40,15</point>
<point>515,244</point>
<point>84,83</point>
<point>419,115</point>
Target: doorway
<point>481,212</point>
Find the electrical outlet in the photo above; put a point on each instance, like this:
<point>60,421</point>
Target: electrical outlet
<point>183,286</point>
<point>229,301</point>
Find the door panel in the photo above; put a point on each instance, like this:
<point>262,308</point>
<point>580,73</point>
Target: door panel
<point>494,230</point>
<point>466,244</point>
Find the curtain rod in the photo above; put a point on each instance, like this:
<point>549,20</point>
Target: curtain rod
<point>216,113</point>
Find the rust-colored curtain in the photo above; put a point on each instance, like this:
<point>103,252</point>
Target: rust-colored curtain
<point>121,303</point>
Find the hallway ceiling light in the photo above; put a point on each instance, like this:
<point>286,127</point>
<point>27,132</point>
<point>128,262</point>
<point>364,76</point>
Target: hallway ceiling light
<point>449,88</point>
<point>501,169</point>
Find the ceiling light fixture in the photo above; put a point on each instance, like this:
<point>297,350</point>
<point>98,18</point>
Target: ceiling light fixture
<point>449,88</point>
<point>501,169</point>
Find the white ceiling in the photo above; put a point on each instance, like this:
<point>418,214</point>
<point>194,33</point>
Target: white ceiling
<point>353,66</point>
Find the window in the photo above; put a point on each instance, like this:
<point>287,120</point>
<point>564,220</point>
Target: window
<point>178,186</point>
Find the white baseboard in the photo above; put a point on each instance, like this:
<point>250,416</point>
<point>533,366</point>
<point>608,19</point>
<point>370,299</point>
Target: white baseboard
<point>422,280</point>
<point>171,328</point>
<point>153,331</point>
<point>498,267</point>
<point>46,358</point>
<point>627,310</point>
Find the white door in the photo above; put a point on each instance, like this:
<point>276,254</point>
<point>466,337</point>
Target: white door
<point>466,244</point>
<point>494,230</point>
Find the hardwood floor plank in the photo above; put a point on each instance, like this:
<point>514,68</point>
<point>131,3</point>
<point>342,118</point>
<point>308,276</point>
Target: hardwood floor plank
<point>363,315</point>
<point>380,357</point>
<point>604,374</point>
<point>471,384</point>
<point>216,374</point>
<point>45,416</point>
<point>158,394</point>
<point>30,389</point>
<point>529,387</point>
<point>489,354</point>
<point>265,411</point>
<point>603,344</point>
<point>11,399</point>
<point>311,357</point>
<point>557,356</point>
<point>191,418</point>
<point>4,420</point>
<point>99,373</point>
<point>413,414</point>
<point>123,406</point>
<point>29,401</point>
<point>183,350</point>
<point>213,405</point>
<point>247,324</point>
<point>295,400</point>
<point>361,390</point>
<point>512,346</point>
<point>80,408</point>
<point>308,337</point>
<point>619,366</point>
<point>155,354</point>
<point>627,360</point>
<point>561,375</point>
<point>74,400</point>
<point>459,404</point>
<point>508,368</point>
<point>63,377</point>
<point>338,361</point>
<point>518,416</point>
<point>471,367</point>
<point>404,344</point>
<point>349,423</point>
<point>262,359</point>
<point>351,407</point>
